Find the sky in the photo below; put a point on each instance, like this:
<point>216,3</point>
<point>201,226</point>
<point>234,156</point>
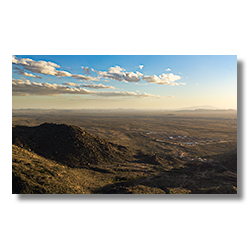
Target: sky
<point>124,81</point>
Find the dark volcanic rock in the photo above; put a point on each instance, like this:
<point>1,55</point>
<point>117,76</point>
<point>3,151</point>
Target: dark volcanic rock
<point>68,144</point>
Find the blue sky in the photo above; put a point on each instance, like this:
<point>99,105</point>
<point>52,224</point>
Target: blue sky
<point>157,82</point>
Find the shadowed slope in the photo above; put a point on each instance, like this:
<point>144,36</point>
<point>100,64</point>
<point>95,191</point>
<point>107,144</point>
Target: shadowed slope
<point>68,144</point>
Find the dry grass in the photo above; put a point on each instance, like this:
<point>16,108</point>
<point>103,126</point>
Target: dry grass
<point>35,174</point>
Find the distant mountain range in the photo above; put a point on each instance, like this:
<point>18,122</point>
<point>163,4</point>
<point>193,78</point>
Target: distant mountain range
<point>199,107</point>
<point>204,108</point>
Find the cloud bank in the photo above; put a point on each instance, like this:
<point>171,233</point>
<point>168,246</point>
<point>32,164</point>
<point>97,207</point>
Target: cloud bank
<point>26,87</point>
<point>97,86</point>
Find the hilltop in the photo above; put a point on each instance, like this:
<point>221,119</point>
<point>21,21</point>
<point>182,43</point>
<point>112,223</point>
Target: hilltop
<point>68,144</point>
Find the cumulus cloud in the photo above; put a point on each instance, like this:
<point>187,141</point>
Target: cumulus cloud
<point>22,72</point>
<point>43,67</point>
<point>115,70</point>
<point>116,73</point>
<point>139,74</point>
<point>70,84</point>
<point>48,68</point>
<point>168,79</point>
<point>131,77</point>
<point>62,73</point>
<point>112,74</point>
<point>26,87</point>
<point>168,69</point>
<point>151,79</point>
<point>119,74</point>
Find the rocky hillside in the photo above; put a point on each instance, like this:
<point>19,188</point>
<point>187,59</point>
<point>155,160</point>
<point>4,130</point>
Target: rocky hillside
<point>68,145</point>
<point>34,174</point>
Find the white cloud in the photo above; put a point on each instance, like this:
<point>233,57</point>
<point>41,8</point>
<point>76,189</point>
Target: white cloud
<point>113,73</point>
<point>131,77</point>
<point>119,74</point>
<point>22,72</point>
<point>151,79</point>
<point>168,69</point>
<point>30,75</point>
<point>139,74</point>
<point>14,60</point>
<point>197,83</point>
<point>113,76</point>
<point>19,82</point>
<point>70,84</point>
<point>116,70</point>
<point>168,79</point>
<point>63,73</point>
<point>116,73</point>
<point>48,68</point>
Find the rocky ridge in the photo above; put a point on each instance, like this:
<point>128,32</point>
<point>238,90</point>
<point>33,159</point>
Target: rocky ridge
<point>68,144</point>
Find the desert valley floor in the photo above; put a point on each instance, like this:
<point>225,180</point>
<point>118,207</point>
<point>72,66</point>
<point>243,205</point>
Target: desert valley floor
<point>124,151</point>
